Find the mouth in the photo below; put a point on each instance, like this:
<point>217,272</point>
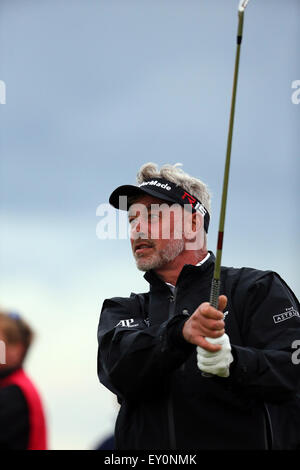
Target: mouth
<point>142,248</point>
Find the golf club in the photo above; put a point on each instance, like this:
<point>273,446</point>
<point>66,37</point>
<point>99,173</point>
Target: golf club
<point>215,286</point>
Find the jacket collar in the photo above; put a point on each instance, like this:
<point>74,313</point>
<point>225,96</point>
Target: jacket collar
<point>188,270</point>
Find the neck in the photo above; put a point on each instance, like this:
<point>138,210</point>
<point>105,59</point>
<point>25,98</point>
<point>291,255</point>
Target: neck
<point>170,272</point>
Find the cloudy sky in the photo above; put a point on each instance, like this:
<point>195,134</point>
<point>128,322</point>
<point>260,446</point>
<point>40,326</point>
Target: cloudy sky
<point>96,88</point>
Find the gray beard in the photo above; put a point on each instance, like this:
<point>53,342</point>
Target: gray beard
<point>158,260</point>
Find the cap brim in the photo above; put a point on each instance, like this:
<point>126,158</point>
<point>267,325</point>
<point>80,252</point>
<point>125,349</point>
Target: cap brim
<point>130,191</point>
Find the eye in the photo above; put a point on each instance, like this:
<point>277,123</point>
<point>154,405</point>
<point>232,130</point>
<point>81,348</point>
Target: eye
<point>131,220</point>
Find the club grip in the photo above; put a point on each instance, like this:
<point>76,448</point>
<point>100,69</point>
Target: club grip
<point>214,301</point>
<point>214,293</point>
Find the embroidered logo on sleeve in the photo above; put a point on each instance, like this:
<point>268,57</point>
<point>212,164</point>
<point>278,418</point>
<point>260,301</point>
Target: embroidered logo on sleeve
<point>288,313</point>
<point>127,323</point>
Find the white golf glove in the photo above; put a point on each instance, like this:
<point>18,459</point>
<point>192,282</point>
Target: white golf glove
<point>216,363</point>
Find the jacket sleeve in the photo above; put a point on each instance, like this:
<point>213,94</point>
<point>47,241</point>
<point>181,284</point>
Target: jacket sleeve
<point>265,365</point>
<point>132,356</point>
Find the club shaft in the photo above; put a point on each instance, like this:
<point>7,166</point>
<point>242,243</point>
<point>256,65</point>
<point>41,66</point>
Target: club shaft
<point>215,287</point>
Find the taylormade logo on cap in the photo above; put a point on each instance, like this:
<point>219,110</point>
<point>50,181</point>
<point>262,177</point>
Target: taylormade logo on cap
<point>156,183</point>
<point>197,205</point>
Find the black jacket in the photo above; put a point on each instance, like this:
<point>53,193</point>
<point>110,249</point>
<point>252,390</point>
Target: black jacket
<point>14,417</point>
<point>165,401</point>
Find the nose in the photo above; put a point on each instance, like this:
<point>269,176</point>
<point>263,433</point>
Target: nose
<point>139,229</point>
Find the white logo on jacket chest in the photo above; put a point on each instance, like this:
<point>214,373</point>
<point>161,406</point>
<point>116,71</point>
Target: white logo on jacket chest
<point>127,323</point>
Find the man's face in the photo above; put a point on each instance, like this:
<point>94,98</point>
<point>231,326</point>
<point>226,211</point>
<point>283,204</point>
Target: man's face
<point>11,354</point>
<point>156,232</point>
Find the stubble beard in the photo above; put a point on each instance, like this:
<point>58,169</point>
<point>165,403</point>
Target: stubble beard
<point>160,258</point>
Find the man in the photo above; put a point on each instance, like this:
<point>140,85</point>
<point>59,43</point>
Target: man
<point>22,419</point>
<point>189,376</point>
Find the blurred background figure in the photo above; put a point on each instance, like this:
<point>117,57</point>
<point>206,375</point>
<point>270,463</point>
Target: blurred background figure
<point>22,418</point>
<point>108,443</point>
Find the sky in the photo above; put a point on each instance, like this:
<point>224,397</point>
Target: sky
<point>93,90</point>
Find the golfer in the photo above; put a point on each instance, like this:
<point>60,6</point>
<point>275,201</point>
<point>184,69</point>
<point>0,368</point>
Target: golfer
<point>187,375</point>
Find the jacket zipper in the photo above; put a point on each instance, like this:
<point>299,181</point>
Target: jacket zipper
<point>171,422</point>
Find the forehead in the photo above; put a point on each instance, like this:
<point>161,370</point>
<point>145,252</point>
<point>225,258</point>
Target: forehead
<point>151,203</point>
<point>146,200</point>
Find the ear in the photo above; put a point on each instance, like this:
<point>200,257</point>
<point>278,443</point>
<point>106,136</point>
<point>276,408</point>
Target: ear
<point>194,235</point>
<point>193,224</point>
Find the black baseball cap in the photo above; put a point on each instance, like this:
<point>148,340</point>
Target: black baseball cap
<point>162,189</point>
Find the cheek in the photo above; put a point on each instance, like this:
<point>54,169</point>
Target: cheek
<point>160,245</point>
<point>176,225</point>
<point>154,230</point>
<point>131,241</point>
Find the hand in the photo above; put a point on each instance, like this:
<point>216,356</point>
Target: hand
<point>216,363</point>
<point>206,321</point>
